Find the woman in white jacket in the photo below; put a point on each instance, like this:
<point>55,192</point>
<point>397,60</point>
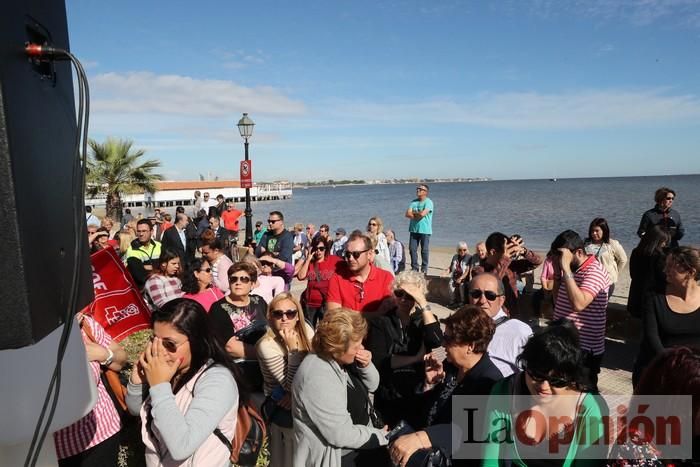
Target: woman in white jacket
<point>333,418</point>
<point>606,250</point>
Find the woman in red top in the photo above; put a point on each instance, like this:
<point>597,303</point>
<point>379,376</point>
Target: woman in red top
<point>318,267</point>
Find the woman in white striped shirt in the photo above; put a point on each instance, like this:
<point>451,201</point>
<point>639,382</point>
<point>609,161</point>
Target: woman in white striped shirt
<point>280,352</point>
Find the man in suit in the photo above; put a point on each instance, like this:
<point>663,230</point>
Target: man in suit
<point>179,240</point>
<point>220,232</point>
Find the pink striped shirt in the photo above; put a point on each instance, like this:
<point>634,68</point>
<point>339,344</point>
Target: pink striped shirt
<point>103,421</point>
<point>593,280</point>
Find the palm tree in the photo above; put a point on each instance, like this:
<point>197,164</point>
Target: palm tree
<point>114,169</point>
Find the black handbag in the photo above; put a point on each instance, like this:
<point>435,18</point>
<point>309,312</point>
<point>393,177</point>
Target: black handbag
<point>274,413</point>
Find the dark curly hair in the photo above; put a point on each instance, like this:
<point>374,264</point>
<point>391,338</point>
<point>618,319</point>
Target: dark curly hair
<point>190,284</point>
<point>554,351</point>
<point>470,325</point>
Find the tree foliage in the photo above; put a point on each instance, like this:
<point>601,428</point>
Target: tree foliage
<point>115,168</point>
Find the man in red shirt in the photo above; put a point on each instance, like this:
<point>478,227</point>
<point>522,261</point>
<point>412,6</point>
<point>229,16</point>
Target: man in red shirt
<point>230,218</point>
<point>358,284</point>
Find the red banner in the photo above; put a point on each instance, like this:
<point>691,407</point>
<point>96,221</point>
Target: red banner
<point>118,305</point>
<point>246,174</point>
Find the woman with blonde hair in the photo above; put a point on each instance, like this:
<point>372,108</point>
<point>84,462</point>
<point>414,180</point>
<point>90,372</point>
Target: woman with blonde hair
<point>375,226</point>
<point>399,340</point>
<point>280,352</point>
<point>334,420</point>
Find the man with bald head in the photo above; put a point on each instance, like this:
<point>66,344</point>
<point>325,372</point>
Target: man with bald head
<point>486,291</point>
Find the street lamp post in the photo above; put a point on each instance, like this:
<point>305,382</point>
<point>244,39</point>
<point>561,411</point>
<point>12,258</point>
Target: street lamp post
<point>245,128</point>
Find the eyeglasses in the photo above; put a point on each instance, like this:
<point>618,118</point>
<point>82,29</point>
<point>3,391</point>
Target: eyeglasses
<point>289,314</point>
<point>402,295</point>
<point>670,198</point>
<point>552,380</point>
<point>272,221</point>
<point>168,345</point>
<point>462,249</point>
<point>321,248</point>
<point>241,279</point>
<point>266,263</point>
<point>324,230</point>
<point>205,270</point>
<point>477,293</point>
<point>373,224</point>
<point>354,254</point>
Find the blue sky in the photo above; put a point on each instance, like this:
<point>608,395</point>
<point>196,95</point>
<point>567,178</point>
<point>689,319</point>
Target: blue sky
<point>383,89</point>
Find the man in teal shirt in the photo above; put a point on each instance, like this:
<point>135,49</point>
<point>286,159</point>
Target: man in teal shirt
<point>420,211</point>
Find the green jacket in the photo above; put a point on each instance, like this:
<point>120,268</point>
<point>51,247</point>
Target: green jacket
<point>588,429</point>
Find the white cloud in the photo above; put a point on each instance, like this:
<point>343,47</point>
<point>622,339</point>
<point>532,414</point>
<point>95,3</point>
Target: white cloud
<point>146,92</point>
<point>530,110</point>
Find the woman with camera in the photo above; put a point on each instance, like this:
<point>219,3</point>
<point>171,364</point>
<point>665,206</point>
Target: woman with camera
<point>333,416</point>
<point>318,267</point>
<point>280,352</point>
<point>467,370</point>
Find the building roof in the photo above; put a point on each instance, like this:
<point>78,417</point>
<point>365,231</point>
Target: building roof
<point>197,185</point>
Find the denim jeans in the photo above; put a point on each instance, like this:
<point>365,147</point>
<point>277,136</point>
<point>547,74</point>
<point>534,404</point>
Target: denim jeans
<point>424,241</point>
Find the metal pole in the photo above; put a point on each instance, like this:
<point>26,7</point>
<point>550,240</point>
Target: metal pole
<point>248,210</point>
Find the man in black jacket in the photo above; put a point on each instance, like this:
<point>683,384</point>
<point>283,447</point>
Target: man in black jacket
<point>664,216</point>
<point>178,239</point>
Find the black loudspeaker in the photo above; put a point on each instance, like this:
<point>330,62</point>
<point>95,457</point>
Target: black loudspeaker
<point>38,208</point>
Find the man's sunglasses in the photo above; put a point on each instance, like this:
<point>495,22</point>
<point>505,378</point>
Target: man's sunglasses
<point>552,380</point>
<point>289,314</point>
<point>477,293</point>
<point>241,279</point>
<point>354,254</point>
<point>272,221</point>
<point>169,345</point>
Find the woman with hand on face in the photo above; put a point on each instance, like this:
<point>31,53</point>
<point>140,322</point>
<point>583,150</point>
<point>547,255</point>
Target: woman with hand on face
<point>398,341</point>
<point>467,370</point>
<point>164,282</point>
<point>184,387</point>
<point>213,251</point>
<point>334,421</point>
<point>280,352</point>
<point>318,267</point>
<point>197,284</point>
<point>268,285</point>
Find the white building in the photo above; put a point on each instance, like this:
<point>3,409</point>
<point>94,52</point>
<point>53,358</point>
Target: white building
<point>173,193</point>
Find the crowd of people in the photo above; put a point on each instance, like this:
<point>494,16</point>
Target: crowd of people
<point>358,369</point>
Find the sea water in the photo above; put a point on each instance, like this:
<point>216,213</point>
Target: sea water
<point>536,209</point>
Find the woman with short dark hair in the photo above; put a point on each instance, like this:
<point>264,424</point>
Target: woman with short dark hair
<point>555,385</point>
<point>466,370</point>
<point>317,268</point>
<point>197,283</point>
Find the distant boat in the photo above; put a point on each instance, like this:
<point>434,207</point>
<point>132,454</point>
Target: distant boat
<point>553,179</point>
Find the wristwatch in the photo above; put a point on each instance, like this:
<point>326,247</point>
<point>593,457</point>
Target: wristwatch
<point>110,358</point>
<point>423,308</point>
<point>568,275</point>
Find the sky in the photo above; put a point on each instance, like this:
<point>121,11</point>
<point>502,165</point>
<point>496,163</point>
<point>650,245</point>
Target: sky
<point>508,89</point>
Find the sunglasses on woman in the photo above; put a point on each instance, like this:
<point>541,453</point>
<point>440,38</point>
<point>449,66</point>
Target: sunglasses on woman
<point>241,279</point>
<point>552,380</point>
<point>402,295</point>
<point>477,293</point>
<point>289,314</point>
<point>169,345</point>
